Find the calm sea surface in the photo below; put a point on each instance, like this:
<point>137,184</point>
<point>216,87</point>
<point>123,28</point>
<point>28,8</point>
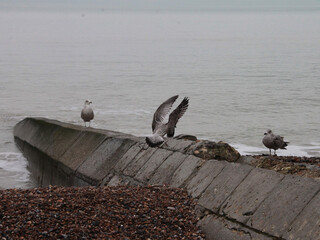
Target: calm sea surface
<point>244,72</point>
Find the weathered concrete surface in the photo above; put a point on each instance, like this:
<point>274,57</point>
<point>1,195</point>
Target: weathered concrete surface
<point>188,167</point>
<point>163,174</point>
<point>223,185</point>
<point>235,201</point>
<point>50,138</point>
<point>46,170</point>
<point>249,194</point>
<point>148,169</point>
<point>218,228</point>
<point>123,162</point>
<point>135,165</point>
<point>307,225</point>
<point>81,149</point>
<point>104,158</point>
<point>283,205</point>
<point>180,145</point>
<point>204,177</point>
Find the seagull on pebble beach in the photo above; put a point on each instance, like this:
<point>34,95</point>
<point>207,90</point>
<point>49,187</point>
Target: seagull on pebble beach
<point>159,129</point>
<point>87,113</point>
<point>273,141</point>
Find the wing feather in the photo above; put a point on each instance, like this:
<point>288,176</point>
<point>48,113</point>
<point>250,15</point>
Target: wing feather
<point>162,112</point>
<point>176,115</point>
<point>279,142</point>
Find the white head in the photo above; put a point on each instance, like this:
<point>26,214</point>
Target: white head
<point>87,102</point>
<point>268,132</point>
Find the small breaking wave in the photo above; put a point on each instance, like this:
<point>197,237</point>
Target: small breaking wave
<point>13,169</point>
<point>311,150</point>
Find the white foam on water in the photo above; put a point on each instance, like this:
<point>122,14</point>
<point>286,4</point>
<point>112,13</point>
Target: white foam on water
<point>138,112</point>
<point>13,162</point>
<point>14,170</point>
<point>311,150</point>
<point>247,150</point>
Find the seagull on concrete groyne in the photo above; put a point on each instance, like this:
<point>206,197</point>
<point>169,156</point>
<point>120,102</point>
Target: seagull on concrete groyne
<point>160,129</point>
<point>87,113</point>
<point>273,141</point>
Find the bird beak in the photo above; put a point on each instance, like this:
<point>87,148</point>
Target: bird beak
<point>90,102</point>
<point>265,134</point>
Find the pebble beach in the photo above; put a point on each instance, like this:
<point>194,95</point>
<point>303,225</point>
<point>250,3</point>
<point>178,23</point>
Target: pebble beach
<point>98,213</point>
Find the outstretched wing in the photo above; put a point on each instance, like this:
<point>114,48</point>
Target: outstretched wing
<point>162,112</point>
<point>176,115</point>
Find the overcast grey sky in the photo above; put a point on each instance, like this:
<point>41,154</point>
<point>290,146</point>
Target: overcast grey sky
<point>164,5</point>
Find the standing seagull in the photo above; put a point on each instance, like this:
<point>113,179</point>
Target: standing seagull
<point>273,141</point>
<point>87,112</point>
<point>159,128</point>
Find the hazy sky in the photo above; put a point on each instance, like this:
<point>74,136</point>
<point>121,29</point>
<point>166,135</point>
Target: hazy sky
<point>163,5</point>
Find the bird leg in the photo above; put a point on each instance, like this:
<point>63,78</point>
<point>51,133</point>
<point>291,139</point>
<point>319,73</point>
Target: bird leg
<point>165,144</point>
<point>89,124</point>
<point>85,124</point>
<point>275,153</point>
<point>270,151</point>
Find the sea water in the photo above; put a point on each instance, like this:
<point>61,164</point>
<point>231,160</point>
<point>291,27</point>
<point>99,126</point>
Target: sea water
<point>244,72</point>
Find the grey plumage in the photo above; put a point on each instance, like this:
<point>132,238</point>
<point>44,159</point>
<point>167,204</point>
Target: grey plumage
<point>87,113</point>
<point>273,141</point>
<point>161,129</point>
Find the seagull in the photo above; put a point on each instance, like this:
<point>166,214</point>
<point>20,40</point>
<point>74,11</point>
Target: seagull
<point>273,141</point>
<point>159,128</point>
<point>87,112</point>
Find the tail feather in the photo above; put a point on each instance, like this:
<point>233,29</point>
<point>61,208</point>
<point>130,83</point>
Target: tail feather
<point>284,145</point>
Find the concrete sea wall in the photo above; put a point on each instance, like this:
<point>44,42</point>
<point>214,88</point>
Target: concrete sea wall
<point>234,200</point>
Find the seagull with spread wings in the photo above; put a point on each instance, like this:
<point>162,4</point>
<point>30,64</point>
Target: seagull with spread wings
<point>161,129</point>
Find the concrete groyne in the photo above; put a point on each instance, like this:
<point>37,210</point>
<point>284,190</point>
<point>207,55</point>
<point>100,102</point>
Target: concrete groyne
<point>234,200</point>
